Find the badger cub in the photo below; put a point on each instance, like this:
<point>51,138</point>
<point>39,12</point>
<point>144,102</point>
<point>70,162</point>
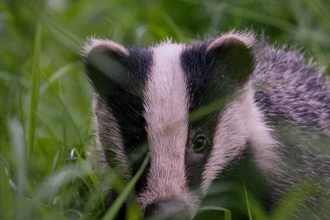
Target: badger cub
<point>230,110</point>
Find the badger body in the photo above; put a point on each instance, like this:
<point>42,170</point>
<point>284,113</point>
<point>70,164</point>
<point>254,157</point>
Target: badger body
<point>230,109</point>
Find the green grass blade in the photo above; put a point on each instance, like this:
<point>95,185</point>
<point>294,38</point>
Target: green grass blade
<point>66,111</point>
<point>87,169</point>
<point>215,213</point>
<point>293,200</point>
<point>7,197</point>
<point>38,210</point>
<point>111,214</point>
<point>247,203</point>
<point>34,99</point>
<point>211,107</point>
<point>58,74</point>
<point>19,152</point>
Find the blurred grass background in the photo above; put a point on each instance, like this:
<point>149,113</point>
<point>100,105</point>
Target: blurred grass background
<point>45,101</point>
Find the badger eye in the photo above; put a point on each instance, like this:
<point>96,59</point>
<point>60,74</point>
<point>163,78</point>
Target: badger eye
<point>199,143</point>
<point>135,140</point>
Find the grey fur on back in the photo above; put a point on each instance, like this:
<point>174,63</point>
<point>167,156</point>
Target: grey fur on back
<point>295,99</point>
<point>292,89</point>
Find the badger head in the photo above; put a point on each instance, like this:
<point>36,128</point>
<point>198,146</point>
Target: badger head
<point>188,106</point>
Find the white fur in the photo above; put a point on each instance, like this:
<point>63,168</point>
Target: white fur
<point>245,37</point>
<point>239,123</point>
<point>108,44</point>
<point>166,114</point>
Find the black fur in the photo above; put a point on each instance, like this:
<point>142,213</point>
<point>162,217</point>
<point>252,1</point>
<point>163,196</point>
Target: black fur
<point>121,88</point>
<point>126,102</point>
<point>213,75</point>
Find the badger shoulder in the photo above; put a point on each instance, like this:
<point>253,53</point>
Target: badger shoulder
<point>293,96</point>
<point>290,88</point>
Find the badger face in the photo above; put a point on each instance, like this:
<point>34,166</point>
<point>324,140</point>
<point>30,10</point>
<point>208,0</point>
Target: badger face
<point>185,106</point>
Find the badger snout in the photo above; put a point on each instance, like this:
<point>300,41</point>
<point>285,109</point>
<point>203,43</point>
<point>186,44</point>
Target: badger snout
<point>170,209</point>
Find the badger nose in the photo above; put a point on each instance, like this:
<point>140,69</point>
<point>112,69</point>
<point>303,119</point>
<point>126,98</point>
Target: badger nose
<point>166,210</point>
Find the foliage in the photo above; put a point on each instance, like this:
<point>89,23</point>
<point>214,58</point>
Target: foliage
<point>46,126</point>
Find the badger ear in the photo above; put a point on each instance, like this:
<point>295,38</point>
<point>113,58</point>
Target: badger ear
<point>235,56</point>
<point>105,64</point>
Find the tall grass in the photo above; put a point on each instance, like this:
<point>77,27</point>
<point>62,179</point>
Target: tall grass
<point>46,127</point>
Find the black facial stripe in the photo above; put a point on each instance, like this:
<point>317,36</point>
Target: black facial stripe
<point>126,102</point>
<point>195,65</point>
<point>204,87</point>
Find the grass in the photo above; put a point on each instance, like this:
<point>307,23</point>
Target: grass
<point>46,127</point>
<point>34,91</point>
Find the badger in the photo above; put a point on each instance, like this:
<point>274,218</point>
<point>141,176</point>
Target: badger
<point>230,109</point>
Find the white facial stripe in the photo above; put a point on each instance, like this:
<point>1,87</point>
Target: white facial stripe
<point>239,122</point>
<point>166,114</point>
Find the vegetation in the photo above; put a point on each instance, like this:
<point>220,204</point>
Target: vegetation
<point>46,126</point>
